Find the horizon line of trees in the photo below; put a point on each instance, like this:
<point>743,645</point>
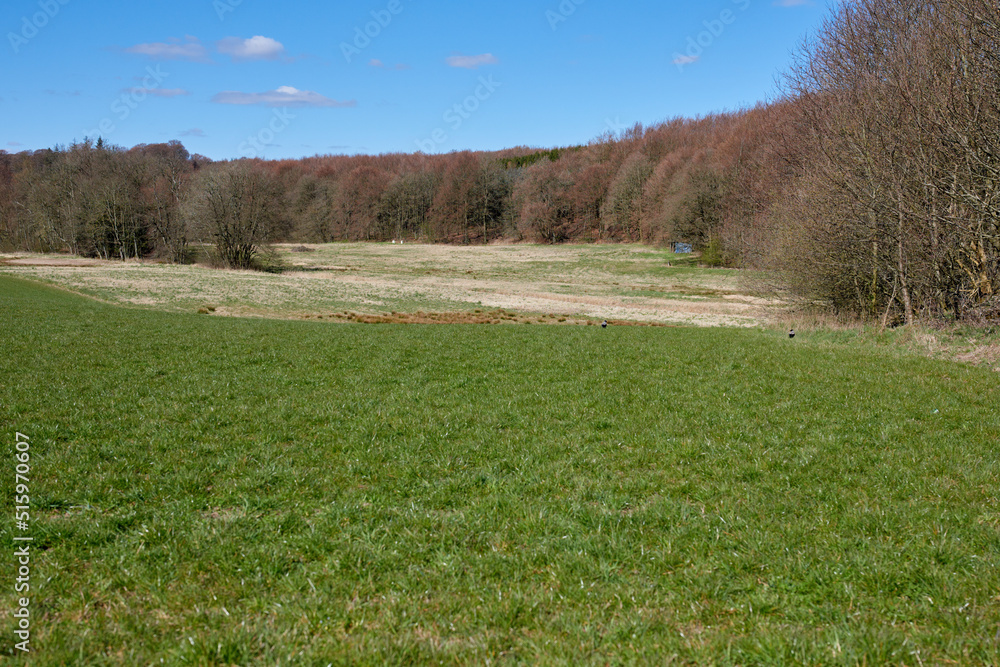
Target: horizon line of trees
<point>871,185</point>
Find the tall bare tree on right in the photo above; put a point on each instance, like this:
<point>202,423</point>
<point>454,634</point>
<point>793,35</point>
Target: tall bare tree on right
<point>898,100</point>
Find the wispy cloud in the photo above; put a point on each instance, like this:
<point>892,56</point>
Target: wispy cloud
<point>193,132</point>
<point>285,96</point>
<point>472,62</point>
<point>254,48</point>
<point>15,144</point>
<point>375,62</point>
<point>158,92</point>
<point>174,49</point>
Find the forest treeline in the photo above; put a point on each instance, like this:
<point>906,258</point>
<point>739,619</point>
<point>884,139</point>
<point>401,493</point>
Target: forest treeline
<point>870,185</point>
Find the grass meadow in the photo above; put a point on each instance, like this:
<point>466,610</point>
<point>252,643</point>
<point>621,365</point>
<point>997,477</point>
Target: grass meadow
<point>620,282</point>
<point>223,491</point>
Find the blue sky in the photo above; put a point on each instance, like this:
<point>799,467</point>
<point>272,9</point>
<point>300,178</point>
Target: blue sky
<point>244,78</point>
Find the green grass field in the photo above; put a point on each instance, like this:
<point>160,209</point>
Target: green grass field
<point>216,491</point>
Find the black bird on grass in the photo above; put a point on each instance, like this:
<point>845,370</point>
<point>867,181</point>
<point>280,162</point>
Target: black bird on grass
<point>791,334</point>
<point>604,324</point>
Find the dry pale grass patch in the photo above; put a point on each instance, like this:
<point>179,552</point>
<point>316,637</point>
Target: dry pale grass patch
<point>626,283</point>
<point>982,355</point>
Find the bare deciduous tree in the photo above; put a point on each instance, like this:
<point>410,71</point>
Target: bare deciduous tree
<point>235,208</point>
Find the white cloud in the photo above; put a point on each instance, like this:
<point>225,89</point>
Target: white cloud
<point>174,49</point>
<point>472,62</point>
<point>255,48</point>
<point>285,96</point>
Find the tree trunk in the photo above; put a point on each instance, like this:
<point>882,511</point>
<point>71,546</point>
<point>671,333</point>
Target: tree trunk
<point>901,264</point>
